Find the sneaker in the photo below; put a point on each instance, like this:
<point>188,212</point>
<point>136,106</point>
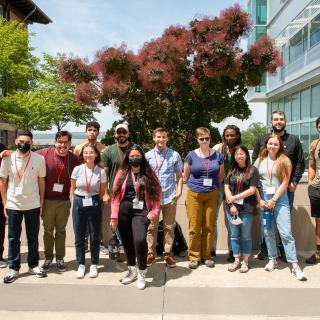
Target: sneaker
<point>81,271</point>
<point>150,259</point>
<point>234,266</point>
<point>141,283</point>
<point>230,257</point>
<point>171,263</point>
<point>193,264</point>
<point>47,264</point>
<point>10,276</point>
<point>103,249</point>
<point>3,264</point>
<point>314,259</point>
<point>61,266</point>
<point>271,265</point>
<point>93,273</point>
<point>121,257</point>
<point>209,263</point>
<point>38,272</point>
<point>244,267</point>
<point>298,273</point>
<point>131,275</point>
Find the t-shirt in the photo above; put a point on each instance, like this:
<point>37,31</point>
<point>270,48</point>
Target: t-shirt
<point>130,192</point>
<point>77,149</point>
<point>23,187</point>
<point>315,156</point>
<point>59,171</point>
<point>250,202</point>
<point>96,176</point>
<point>198,171</point>
<point>112,158</point>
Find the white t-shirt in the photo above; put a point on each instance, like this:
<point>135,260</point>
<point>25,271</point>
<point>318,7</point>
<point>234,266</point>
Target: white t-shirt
<point>23,192</point>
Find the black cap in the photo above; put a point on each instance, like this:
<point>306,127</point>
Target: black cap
<point>24,133</point>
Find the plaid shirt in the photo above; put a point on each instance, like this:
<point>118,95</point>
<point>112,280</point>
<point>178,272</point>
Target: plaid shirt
<point>169,162</point>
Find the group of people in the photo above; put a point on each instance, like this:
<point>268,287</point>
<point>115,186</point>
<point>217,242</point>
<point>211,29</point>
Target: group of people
<point>131,187</point>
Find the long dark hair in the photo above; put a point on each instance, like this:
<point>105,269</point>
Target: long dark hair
<point>149,179</point>
<point>234,164</point>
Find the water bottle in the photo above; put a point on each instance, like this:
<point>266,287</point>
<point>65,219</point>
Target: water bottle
<point>267,219</point>
<point>113,247</point>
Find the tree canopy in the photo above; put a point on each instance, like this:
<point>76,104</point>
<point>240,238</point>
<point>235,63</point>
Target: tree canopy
<point>191,76</point>
<point>254,131</point>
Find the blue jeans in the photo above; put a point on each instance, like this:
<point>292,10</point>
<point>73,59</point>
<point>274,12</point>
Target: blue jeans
<point>32,222</point>
<point>241,232</point>
<point>83,216</point>
<point>281,218</point>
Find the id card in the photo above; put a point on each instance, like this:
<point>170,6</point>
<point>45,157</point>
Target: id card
<point>271,190</point>
<point>57,187</point>
<point>207,182</point>
<point>238,201</point>
<point>137,204</point>
<point>87,202</point>
<point>18,191</point>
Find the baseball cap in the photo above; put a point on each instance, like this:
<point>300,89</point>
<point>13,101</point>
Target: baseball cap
<point>123,125</point>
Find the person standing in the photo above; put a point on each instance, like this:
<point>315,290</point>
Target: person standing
<point>167,165</point>
<point>3,263</point>
<point>22,185</point>
<point>203,170</point>
<point>60,162</point>
<point>293,150</point>
<point>314,192</point>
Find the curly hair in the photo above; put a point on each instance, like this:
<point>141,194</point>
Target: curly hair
<point>149,179</point>
<point>236,129</point>
<point>98,156</point>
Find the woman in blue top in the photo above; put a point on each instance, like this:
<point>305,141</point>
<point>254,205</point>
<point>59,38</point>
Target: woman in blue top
<point>203,170</point>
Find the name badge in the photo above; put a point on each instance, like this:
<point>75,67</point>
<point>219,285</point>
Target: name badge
<point>207,182</point>
<point>271,190</point>
<point>87,202</point>
<point>137,204</point>
<point>238,201</point>
<point>18,191</point>
<point>57,187</point>
<point>318,172</point>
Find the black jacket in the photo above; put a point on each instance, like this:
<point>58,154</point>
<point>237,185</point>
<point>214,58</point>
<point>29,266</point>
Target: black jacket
<point>292,149</point>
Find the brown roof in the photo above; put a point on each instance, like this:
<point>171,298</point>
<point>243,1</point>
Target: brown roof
<point>25,7</point>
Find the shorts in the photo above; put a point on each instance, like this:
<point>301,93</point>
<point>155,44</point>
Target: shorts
<point>314,196</point>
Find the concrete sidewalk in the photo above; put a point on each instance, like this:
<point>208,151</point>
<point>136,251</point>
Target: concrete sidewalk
<point>177,293</point>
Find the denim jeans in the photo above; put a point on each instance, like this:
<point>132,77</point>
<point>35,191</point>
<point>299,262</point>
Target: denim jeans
<point>32,222</point>
<point>83,216</point>
<point>281,218</point>
<point>241,232</point>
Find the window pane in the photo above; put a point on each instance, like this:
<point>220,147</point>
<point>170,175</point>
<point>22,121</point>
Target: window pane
<point>305,38</point>
<point>304,138</point>
<point>288,128</point>
<point>268,112</point>
<point>287,108</point>
<point>315,104</point>
<point>315,31</point>
<point>295,106</point>
<point>314,135</point>
<point>274,105</point>
<point>261,13</point>
<point>305,104</point>
<point>296,45</point>
<point>295,129</point>
<point>281,105</point>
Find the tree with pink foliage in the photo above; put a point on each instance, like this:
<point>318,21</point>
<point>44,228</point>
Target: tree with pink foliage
<point>190,76</point>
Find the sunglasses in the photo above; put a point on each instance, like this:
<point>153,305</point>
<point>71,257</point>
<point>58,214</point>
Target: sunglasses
<point>204,139</point>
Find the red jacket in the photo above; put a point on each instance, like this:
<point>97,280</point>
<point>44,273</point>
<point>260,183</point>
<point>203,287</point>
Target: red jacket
<point>153,207</point>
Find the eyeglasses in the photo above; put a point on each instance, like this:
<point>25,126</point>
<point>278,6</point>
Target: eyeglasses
<point>204,139</point>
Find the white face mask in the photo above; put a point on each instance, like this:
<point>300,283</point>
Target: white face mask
<point>236,220</point>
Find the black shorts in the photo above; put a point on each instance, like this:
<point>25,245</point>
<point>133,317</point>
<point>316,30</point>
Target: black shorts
<point>314,196</point>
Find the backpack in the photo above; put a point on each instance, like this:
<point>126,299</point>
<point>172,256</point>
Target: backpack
<point>179,243</point>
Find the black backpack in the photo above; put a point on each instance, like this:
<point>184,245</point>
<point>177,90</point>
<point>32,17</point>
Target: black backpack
<point>179,243</point>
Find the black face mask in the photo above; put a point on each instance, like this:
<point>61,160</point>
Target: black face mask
<point>135,161</point>
<point>23,147</point>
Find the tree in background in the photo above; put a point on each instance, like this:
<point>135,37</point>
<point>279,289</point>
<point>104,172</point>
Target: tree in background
<point>189,77</point>
<point>254,131</point>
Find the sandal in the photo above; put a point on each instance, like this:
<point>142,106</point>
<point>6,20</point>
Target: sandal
<point>244,267</point>
<point>234,266</point>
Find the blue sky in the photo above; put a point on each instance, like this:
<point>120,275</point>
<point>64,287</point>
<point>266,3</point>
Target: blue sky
<point>82,27</point>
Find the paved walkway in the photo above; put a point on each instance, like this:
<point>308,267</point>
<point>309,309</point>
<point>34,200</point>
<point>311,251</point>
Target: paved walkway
<point>177,293</point>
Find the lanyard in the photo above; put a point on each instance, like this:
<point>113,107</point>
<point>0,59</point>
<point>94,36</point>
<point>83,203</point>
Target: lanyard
<point>88,183</point>
<point>206,165</point>
<point>119,154</point>
<point>270,172</point>
<point>239,180</point>
<point>136,184</point>
<point>59,172</point>
<point>155,158</point>
<point>25,168</point>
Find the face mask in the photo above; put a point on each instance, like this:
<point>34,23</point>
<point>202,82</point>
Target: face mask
<point>236,220</point>
<point>135,161</point>
<point>23,147</point>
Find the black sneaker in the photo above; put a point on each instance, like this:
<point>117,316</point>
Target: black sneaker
<point>230,257</point>
<point>10,276</point>
<point>38,272</point>
<point>47,264</point>
<point>61,266</point>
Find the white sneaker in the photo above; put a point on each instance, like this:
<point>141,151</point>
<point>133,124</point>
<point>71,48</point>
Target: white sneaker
<point>141,283</point>
<point>93,273</point>
<point>80,272</point>
<point>3,264</point>
<point>298,273</point>
<point>130,276</point>
<point>271,265</point>
<point>38,272</point>
<point>10,276</point>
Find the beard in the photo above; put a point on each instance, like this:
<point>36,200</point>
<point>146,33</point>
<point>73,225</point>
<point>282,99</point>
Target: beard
<point>279,129</point>
<point>122,139</point>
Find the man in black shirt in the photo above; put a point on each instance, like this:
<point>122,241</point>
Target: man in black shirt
<point>293,150</point>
